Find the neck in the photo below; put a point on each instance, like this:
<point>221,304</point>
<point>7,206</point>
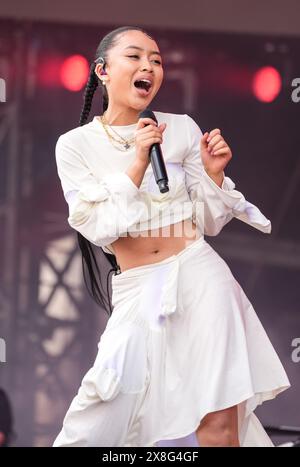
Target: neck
<point>121,117</point>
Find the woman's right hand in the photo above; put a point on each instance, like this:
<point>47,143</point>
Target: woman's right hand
<point>147,133</point>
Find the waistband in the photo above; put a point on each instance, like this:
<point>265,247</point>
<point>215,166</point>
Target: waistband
<point>165,283</point>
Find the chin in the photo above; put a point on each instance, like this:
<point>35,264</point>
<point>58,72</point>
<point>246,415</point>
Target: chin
<point>141,106</point>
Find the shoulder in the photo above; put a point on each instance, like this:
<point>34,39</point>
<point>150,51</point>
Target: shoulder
<point>76,141</point>
<point>74,134</point>
<point>181,126</point>
<point>71,146</point>
<point>168,117</point>
<point>184,121</point>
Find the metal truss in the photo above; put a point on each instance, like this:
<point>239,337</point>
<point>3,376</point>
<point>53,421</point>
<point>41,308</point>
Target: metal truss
<point>49,324</point>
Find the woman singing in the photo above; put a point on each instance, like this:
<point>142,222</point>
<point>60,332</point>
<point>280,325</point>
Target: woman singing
<point>183,351</point>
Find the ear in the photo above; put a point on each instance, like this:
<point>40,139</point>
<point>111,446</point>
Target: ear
<point>2,438</point>
<point>98,69</point>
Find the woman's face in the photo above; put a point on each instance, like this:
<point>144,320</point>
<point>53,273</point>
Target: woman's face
<point>126,64</point>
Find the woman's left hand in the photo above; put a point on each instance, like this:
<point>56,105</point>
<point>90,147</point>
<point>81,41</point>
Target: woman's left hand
<point>215,152</point>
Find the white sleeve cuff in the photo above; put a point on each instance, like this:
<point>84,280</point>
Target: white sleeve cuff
<point>232,199</point>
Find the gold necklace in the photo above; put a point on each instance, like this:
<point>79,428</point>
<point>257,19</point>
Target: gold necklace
<point>106,122</point>
<point>120,141</point>
<point>126,143</point>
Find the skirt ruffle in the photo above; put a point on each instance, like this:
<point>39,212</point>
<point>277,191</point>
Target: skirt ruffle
<point>183,341</point>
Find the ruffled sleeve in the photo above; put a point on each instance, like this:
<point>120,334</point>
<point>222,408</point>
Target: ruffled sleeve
<point>102,209</point>
<point>214,206</point>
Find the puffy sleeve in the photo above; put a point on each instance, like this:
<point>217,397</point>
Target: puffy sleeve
<point>101,209</point>
<point>213,206</point>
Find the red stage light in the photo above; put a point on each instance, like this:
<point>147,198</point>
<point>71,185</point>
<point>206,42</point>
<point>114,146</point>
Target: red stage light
<point>266,84</point>
<point>74,72</point>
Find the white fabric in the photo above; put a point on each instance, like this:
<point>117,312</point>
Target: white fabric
<point>105,204</point>
<point>183,341</point>
<point>171,352</point>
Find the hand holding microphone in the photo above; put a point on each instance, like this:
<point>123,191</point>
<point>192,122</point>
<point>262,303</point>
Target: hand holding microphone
<point>148,139</point>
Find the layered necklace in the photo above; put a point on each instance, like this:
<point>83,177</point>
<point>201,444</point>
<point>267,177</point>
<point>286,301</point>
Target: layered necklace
<point>117,142</point>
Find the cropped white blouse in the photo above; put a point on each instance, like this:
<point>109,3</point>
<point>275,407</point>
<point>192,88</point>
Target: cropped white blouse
<point>104,203</point>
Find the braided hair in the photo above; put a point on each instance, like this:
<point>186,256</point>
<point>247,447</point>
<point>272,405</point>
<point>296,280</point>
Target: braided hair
<point>91,272</point>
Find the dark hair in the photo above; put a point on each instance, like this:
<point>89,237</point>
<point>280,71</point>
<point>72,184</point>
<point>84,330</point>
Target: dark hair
<point>91,273</point>
<point>6,418</point>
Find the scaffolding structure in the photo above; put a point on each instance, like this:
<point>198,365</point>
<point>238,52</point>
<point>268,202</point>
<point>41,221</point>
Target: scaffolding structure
<point>49,336</point>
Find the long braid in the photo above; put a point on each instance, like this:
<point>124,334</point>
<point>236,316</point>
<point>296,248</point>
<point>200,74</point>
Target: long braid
<point>89,92</point>
<point>89,262</point>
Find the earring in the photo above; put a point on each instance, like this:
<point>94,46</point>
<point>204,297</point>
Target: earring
<point>103,72</point>
<point>101,77</point>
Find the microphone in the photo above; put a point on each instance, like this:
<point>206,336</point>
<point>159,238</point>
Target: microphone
<point>156,158</point>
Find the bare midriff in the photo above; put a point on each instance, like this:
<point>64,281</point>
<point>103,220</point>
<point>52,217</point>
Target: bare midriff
<point>154,245</point>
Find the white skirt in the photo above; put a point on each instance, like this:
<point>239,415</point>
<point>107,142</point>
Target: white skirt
<point>183,341</point>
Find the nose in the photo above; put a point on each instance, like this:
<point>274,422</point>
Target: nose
<point>146,65</point>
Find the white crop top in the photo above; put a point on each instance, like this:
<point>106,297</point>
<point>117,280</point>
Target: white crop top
<point>104,203</point>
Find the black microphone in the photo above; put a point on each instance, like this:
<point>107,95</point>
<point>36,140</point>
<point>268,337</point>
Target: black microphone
<point>156,158</point>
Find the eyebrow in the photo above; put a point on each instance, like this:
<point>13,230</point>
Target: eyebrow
<point>139,48</point>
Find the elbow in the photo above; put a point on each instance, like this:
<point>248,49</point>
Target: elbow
<point>213,226</point>
<point>212,231</point>
<point>90,232</point>
<point>84,219</point>
<point>87,234</point>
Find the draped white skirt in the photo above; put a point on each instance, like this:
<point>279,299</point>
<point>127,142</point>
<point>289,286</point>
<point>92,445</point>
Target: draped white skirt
<point>183,341</point>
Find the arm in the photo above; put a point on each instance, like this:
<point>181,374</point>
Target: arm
<point>218,179</point>
<point>136,172</point>
<point>101,210</point>
<point>216,202</point>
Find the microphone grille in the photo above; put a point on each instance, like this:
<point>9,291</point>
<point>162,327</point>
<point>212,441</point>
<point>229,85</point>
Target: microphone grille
<point>147,113</point>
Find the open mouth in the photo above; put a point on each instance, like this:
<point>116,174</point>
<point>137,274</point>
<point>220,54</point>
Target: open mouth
<point>143,87</point>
